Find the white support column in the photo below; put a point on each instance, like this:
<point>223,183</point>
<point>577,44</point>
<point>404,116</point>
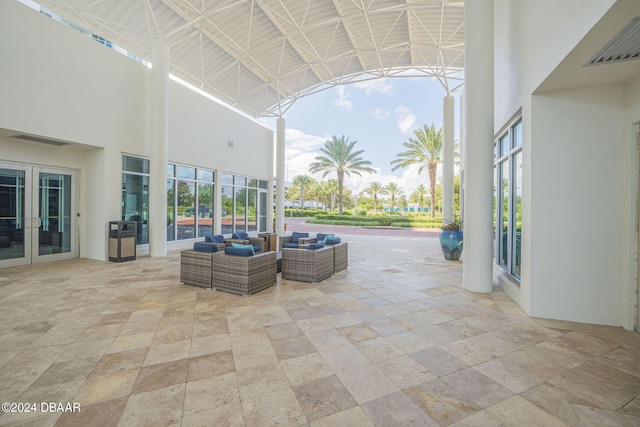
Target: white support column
<point>159,134</point>
<point>447,158</point>
<point>478,212</point>
<point>280,177</point>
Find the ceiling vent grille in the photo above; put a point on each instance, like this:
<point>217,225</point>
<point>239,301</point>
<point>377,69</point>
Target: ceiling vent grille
<point>625,46</point>
<point>40,140</point>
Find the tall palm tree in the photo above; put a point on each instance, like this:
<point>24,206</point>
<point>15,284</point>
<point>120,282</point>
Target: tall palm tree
<point>394,190</point>
<point>424,150</point>
<point>375,189</point>
<point>338,156</point>
<point>302,181</point>
<point>419,195</point>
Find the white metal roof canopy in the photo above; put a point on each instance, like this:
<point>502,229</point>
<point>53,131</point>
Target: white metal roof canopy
<point>260,56</point>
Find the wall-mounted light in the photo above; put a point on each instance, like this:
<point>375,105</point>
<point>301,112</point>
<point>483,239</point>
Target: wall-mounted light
<point>230,143</point>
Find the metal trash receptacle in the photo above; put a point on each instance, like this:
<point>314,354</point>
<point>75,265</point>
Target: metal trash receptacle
<point>122,241</point>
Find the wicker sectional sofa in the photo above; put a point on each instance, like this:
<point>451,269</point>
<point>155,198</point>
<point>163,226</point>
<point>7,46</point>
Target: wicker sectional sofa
<point>236,274</point>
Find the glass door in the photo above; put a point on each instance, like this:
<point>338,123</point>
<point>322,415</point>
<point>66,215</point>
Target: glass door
<point>37,215</point>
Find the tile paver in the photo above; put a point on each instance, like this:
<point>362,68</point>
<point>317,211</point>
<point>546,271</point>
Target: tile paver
<point>392,339</point>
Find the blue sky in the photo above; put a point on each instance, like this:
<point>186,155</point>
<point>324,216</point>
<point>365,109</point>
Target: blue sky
<point>380,114</point>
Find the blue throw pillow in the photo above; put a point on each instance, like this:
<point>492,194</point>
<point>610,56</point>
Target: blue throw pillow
<point>333,241</point>
<point>239,246</point>
<point>317,245</point>
<point>240,235</point>
<point>218,238</point>
<point>204,247</point>
<point>328,237</point>
<point>230,250</point>
<point>295,236</point>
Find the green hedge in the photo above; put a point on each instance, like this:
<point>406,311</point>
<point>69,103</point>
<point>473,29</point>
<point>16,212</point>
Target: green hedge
<point>378,220</point>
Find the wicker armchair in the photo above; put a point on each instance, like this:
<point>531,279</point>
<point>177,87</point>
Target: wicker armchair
<point>304,265</point>
<point>243,275</point>
<point>195,267</point>
<point>340,256</point>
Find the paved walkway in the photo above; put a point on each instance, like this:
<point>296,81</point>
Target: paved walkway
<point>299,224</point>
<point>393,340</point>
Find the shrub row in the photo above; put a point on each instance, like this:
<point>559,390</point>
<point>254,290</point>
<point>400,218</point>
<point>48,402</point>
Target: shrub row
<point>372,221</point>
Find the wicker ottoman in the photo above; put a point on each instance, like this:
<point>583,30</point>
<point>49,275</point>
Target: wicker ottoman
<point>243,275</point>
<point>340,256</point>
<point>304,265</point>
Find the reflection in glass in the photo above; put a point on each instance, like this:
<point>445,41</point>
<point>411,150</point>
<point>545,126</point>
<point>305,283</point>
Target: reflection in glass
<point>241,209</point>
<point>185,217</point>
<point>55,213</point>
<point>11,213</point>
<point>263,211</point>
<point>171,210</point>
<point>504,216</point>
<point>205,209</point>
<point>495,201</point>
<point>252,210</point>
<point>518,216</point>
<point>135,204</point>
<point>226,211</point>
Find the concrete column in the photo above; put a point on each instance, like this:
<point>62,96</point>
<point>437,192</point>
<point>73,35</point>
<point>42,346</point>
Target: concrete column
<point>478,213</point>
<point>159,134</point>
<point>280,178</point>
<point>447,158</point>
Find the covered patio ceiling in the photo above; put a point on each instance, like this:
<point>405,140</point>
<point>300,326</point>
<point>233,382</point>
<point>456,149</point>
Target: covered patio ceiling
<point>260,56</point>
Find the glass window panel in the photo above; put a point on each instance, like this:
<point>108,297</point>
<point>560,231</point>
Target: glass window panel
<point>227,179</point>
<point>253,183</point>
<point>205,175</point>
<point>504,145</point>
<point>504,215</point>
<point>185,217</point>
<point>241,180</point>
<point>205,209</point>
<point>263,184</point>
<point>185,172</point>
<point>135,204</point>
<point>263,212</point>
<point>171,210</point>
<point>226,211</point>
<point>495,152</point>
<point>252,210</point>
<point>135,164</point>
<point>12,202</point>
<point>517,135</point>
<point>240,223</point>
<point>171,170</point>
<point>515,256</point>
<point>495,201</point>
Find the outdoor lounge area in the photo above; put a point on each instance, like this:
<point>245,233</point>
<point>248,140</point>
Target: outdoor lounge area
<point>392,340</point>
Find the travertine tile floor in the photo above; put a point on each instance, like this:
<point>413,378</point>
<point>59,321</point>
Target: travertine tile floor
<point>392,341</point>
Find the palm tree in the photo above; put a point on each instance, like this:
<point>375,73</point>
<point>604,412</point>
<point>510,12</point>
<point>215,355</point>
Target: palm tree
<point>394,190</point>
<point>331,188</point>
<point>424,150</point>
<point>419,194</point>
<point>302,181</point>
<point>374,190</point>
<point>338,156</point>
<point>315,190</point>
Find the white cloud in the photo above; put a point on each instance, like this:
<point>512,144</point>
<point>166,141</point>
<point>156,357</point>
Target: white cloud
<point>380,113</point>
<point>300,151</point>
<point>405,119</point>
<point>343,99</point>
<point>375,86</point>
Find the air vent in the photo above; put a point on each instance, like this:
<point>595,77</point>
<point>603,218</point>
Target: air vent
<point>625,46</point>
<point>40,140</point>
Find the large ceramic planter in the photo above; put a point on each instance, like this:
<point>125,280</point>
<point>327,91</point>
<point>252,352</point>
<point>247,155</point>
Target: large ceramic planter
<point>451,244</point>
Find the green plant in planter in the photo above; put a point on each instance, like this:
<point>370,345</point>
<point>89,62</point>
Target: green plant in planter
<point>451,238</point>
